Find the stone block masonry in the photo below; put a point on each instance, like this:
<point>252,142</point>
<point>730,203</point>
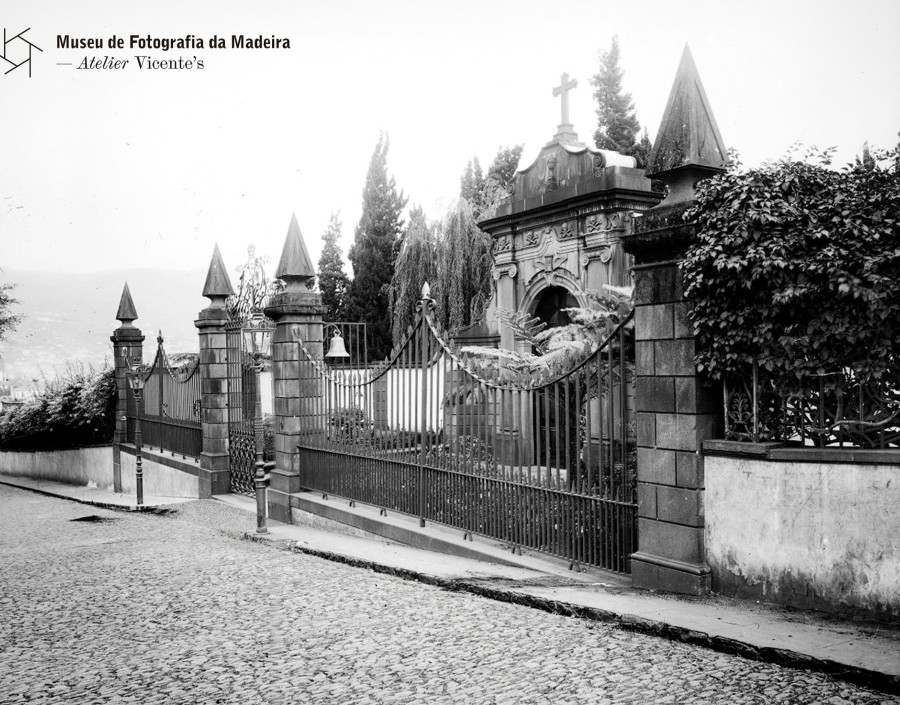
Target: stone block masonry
<point>214,476</point>
<point>676,409</point>
<point>675,413</point>
<point>128,345</point>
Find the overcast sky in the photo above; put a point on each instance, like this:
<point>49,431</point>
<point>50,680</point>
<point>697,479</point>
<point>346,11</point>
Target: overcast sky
<point>106,169</point>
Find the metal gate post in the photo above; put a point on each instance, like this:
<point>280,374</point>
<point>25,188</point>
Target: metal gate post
<point>423,414</point>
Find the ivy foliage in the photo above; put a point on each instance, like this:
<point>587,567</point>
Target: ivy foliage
<point>797,266</point>
<point>78,408</point>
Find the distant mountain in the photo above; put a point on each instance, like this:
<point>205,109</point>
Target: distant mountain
<point>70,317</point>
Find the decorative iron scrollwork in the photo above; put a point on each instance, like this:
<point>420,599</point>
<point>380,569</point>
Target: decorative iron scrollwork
<point>826,410</point>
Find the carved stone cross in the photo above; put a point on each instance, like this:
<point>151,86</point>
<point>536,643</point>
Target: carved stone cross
<point>563,90</point>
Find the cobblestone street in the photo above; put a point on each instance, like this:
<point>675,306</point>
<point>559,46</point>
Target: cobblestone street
<point>153,609</point>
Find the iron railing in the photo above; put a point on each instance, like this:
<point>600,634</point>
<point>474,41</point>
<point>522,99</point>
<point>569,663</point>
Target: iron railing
<point>840,410</point>
<point>541,462</point>
<point>170,416</point>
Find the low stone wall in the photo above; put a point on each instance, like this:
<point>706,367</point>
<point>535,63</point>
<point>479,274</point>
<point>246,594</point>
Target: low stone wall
<point>78,466</point>
<point>163,476</point>
<point>806,528</point>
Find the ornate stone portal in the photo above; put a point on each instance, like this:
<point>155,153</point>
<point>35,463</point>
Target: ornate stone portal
<point>560,229</point>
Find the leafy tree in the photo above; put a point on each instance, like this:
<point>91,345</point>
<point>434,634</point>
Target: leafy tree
<point>372,255</point>
<point>415,265</point>
<point>8,320</point>
<point>641,151</point>
<point>795,266</point>
<point>483,192</point>
<point>500,174</point>
<point>78,408</point>
<point>333,281</point>
<point>617,125</point>
<point>455,257</point>
<point>463,273</point>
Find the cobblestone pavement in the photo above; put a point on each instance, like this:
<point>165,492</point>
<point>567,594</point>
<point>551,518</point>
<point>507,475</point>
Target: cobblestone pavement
<point>151,609</point>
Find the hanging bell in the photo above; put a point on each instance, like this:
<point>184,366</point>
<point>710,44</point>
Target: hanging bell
<point>336,346</point>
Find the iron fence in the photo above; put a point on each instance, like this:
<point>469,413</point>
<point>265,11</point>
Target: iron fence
<point>170,416</point>
<point>537,462</point>
<point>840,409</point>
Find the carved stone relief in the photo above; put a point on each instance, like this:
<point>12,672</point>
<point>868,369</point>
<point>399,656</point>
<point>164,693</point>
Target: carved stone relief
<point>567,230</point>
<point>502,244</point>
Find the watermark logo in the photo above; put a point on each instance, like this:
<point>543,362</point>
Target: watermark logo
<point>17,51</point>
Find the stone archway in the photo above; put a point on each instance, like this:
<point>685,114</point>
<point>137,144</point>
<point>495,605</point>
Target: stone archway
<point>550,304</point>
<point>548,420</point>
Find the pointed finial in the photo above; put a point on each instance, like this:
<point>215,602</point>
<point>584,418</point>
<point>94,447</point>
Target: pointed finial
<point>218,286</point>
<point>127,312</point>
<point>426,291</point>
<point>295,266</point>
<point>688,134</point>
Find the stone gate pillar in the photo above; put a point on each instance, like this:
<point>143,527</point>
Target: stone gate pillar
<point>214,476</point>
<point>128,341</point>
<point>297,312</point>
<point>675,409</point>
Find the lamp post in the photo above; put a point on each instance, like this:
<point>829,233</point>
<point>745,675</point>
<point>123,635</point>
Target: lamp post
<point>257,340</point>
<point>136,380</point>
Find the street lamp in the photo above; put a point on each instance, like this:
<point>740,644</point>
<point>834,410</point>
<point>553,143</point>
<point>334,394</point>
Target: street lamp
<point>257,341</point>
<point>136,380</point>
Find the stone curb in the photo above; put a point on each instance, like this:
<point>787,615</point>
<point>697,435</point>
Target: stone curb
<point>626,622</point>
<point>92,503</point>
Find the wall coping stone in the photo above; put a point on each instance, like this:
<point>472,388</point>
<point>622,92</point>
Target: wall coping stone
<point>786,452</point>
<point>188,465</point>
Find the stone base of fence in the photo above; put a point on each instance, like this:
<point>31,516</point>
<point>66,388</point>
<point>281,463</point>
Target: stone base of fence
<point>164,475</point>
<point>823,522</point>
<point>214,475</point>
<point>281,486</point>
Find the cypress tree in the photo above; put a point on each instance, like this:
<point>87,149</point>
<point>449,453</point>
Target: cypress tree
<point>373,250</point>
<point>471,184</point>
<point>333,280</point>
<point>617,125</point>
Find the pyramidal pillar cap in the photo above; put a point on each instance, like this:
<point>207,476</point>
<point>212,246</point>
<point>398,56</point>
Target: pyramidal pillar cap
<point>218,286</point>
<point>688,145</point>
<point>127,313</point>
<point>295,267</point>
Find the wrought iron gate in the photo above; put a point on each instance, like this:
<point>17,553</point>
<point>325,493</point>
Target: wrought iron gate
<point>458,444</point>
<point>170,417</point>
<point>242,390</point>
